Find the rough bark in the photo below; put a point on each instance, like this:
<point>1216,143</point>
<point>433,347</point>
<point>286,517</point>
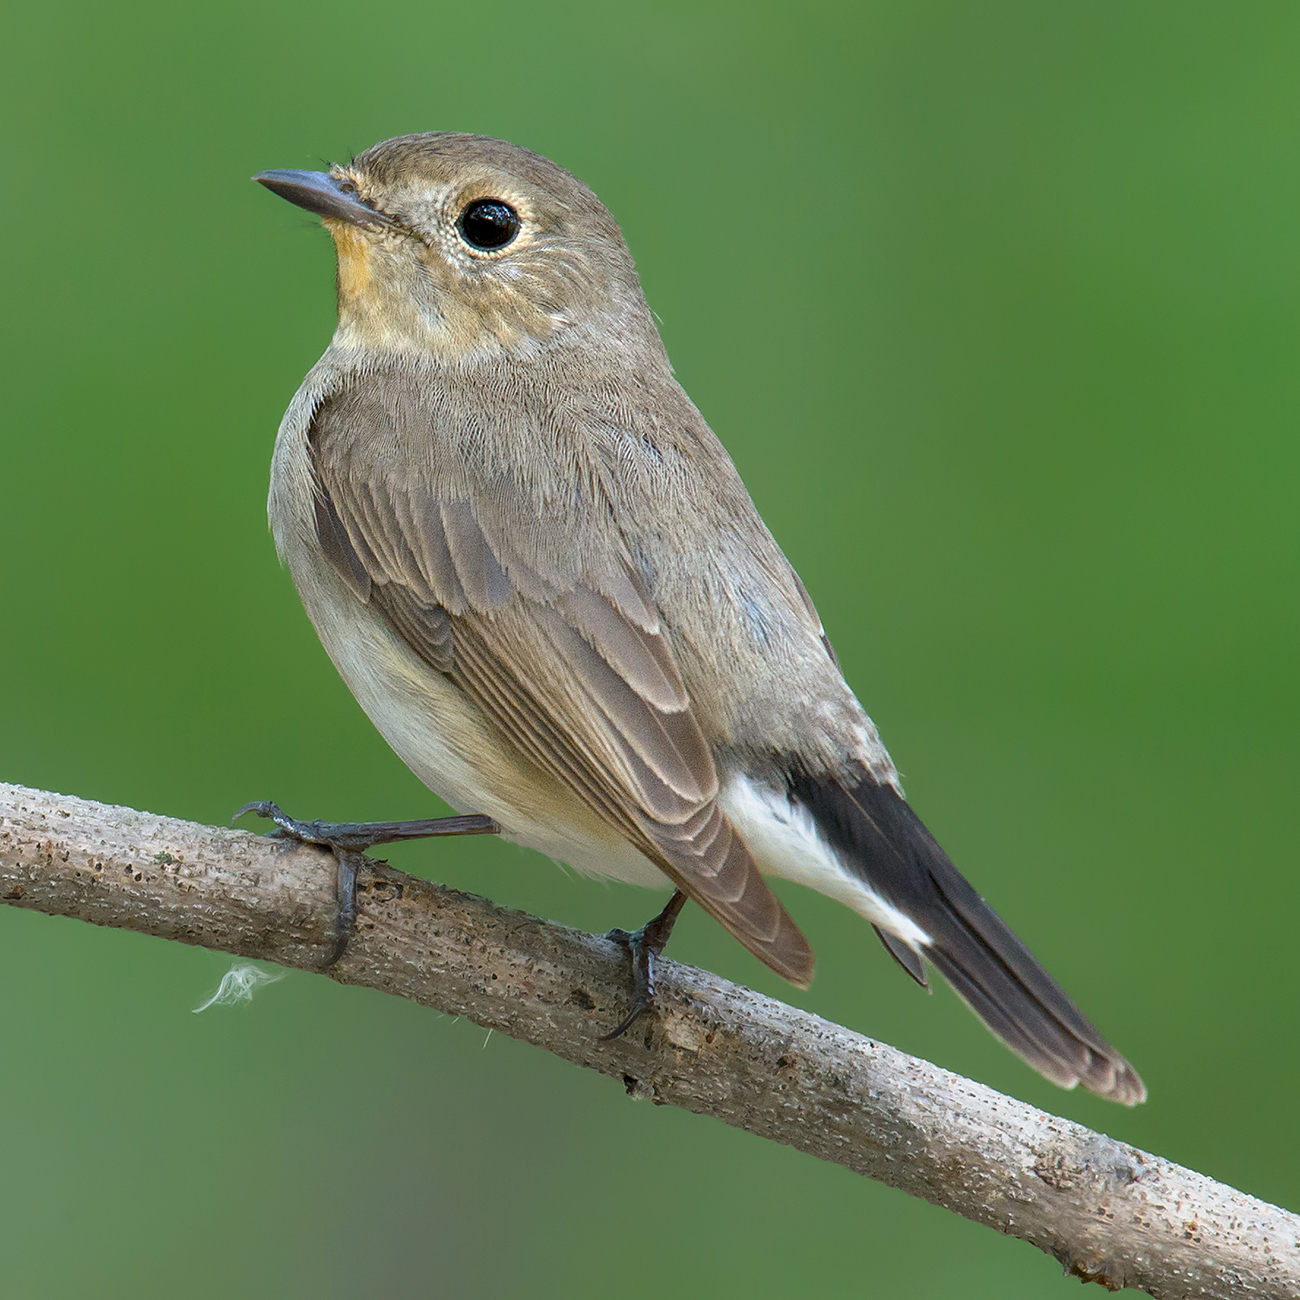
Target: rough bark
<point>1109,1212</point>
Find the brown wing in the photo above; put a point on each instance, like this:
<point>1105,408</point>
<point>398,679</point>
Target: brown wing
<point>575,670</point>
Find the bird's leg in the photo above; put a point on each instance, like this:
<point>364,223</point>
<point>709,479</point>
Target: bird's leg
<point>643,946</point>
<point>348,842</point>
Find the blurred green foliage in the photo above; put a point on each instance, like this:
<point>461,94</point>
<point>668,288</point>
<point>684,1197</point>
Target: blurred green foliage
<point>996,307</point>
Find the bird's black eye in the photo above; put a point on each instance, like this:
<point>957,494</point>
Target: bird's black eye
<point>488,223</point>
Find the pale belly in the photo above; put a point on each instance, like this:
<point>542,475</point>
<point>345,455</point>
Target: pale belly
<point>450,747</point>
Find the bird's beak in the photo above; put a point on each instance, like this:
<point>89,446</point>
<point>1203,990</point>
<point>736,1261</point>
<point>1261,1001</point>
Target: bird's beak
<point>321,193</point>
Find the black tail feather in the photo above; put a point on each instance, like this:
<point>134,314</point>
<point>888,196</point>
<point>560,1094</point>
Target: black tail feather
<point>905,955</point>
<point>880,838</point>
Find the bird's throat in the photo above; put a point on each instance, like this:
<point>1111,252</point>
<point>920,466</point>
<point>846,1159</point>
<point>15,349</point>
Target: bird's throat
<point>355,272</point>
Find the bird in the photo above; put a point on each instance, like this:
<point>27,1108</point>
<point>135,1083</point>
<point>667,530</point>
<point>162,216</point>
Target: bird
<point>541,576</point>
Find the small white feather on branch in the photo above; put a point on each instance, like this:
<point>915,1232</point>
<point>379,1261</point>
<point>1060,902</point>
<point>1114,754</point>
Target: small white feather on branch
<point>239,984</point>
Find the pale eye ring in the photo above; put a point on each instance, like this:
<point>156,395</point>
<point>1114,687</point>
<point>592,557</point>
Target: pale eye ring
<point>488,224</point>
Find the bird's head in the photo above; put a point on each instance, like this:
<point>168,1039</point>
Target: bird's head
<point>464,246</point>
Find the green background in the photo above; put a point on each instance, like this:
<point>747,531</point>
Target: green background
<point>995,306</point>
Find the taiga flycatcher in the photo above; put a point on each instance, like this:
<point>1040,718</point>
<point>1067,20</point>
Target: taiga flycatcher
<point>542,578</point>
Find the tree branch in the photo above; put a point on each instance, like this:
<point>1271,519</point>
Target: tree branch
<point>1109,1212</point>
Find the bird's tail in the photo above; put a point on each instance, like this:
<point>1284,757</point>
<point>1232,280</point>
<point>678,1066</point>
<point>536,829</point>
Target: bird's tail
<point>877,836</point>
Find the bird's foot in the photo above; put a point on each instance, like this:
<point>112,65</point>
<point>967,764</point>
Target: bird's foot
<point>348,841</point>
<point>643,946</point>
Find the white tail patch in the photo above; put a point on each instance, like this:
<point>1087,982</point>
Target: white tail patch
<point>786,842</point>
<point>239,984</point>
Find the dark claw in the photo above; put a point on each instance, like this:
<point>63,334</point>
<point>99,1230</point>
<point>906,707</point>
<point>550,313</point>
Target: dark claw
<point>259,806</point>
<point>643,979</point>
<point>290,827</point>
<point>345,919</point>
<point>643,946</point>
